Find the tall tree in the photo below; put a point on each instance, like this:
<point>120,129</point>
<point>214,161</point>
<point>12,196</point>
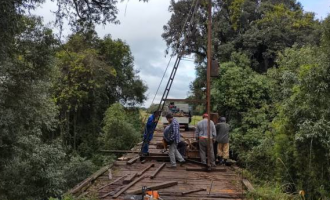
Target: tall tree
<point>95,73</point>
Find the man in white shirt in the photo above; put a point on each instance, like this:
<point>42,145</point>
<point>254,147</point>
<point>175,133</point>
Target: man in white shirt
<point>201,137</point>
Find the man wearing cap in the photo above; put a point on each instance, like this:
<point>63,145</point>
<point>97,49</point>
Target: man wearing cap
<point>172,137</point>
<point>149,132</point>
<point>222,138</point>
<point>201,137</point>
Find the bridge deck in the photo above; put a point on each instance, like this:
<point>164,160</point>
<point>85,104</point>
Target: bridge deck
<point>226,184</point>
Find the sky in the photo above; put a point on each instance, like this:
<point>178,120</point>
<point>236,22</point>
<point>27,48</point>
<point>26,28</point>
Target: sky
<point>141,26</point>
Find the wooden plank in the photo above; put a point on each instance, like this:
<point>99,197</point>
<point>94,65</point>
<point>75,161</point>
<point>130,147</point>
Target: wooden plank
<point>112,192</point>
<point>145,169</point>
<point>197,196</point>
<point>195,162</point>
<point>131,151</point>
<point>115,181</point>
<point>248,185</point>
<point>87,182</point>
<point>130,178</point>
<point>203,169</point>
<point>192,191</point>
<point>127,187</point>
<point>133,160</point>
<point>157,171</point>
<point>154,187</point>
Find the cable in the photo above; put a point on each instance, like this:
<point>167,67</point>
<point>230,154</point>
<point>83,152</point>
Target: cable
<point>192,11</point>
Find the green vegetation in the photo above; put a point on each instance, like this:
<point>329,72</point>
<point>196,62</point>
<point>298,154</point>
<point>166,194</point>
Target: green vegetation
<point>273,88</point>
<point>54,98</point>
<point>62,103</point>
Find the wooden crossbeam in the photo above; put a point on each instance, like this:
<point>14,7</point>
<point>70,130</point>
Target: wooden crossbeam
<point>112,192</point>
<point>157,170</point>
<point>192,191</point>
<point>248,185</point>
<point>87,182</point>
<point>202,169</point>
<point>130,178</point>
<point>133,160</point>
<point>115,181</point>
<point>145,169</point>
<point>155,187</point>
<point>127,187</point>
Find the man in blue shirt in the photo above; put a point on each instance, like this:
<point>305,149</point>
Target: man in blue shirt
<point>172,137</point>
<point>149,132</point>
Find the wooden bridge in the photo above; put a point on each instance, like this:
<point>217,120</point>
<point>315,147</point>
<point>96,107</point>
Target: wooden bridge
<point>125,178</point>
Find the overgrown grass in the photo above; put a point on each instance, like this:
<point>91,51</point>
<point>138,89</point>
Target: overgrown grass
<point>195,119</point>
<point>267,190</point>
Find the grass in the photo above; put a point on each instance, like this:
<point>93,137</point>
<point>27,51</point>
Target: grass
<point>195,119</point>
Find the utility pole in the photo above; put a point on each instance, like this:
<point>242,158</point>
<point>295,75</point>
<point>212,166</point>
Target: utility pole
<point>209,62</point>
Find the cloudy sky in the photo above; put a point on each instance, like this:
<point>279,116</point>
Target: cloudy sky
<point>141,28</point>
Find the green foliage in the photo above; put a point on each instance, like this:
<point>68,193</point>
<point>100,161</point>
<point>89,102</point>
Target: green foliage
<point>152,108</point>
<point>119,132</point>
<point>94,73</point>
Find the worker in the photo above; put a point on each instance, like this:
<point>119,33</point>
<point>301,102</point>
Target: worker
<point>172,137</point>
<point>222,138</point>
<point>202,138</point>
<point>149,132</point>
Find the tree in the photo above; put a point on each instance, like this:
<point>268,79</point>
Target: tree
<point>119,133</point>
<point>95,73</point>
<point>258,29</point>
<point>28,115</point>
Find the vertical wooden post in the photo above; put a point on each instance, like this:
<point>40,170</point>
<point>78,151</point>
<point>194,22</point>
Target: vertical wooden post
<point>209,62</point>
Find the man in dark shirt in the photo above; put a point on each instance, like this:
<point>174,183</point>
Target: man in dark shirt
<point>222,129</point>
<point>172,137</point>
<point>149,132</point>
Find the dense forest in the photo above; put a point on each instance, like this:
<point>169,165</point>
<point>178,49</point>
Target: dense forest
<point>273,87</point>
<point>62,102</point>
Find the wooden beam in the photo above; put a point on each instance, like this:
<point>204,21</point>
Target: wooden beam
<point>145,169</point>
<point>130,151</point>
<point>118,179</point>
<point>130,178</point>
<point>133,160</point>
<point>87,182</point>
<point>202,169</point>
<point>195,162</point>
<point>235,195</point>
<point>248,185</point>
<point>127,187</point>
<point>112,192</point>
<point>192,191</point>
<point>157,170</point>
<point>162,158</point>
<point>154,187</point>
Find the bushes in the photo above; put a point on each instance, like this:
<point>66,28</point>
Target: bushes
<point>118,131</point>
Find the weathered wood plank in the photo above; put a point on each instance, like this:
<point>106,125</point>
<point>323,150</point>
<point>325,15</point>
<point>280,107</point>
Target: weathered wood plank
<point>145,169</point>
<point>130,178</point>
<point>127,187</point>
<point>192,191</point>
<point>157,171</point>
<point>87,182</point>
<point>115,181</point>
<point>154,187</point>
<point>133,160</point>
<point>248,185</point>
<point>202,169</point>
